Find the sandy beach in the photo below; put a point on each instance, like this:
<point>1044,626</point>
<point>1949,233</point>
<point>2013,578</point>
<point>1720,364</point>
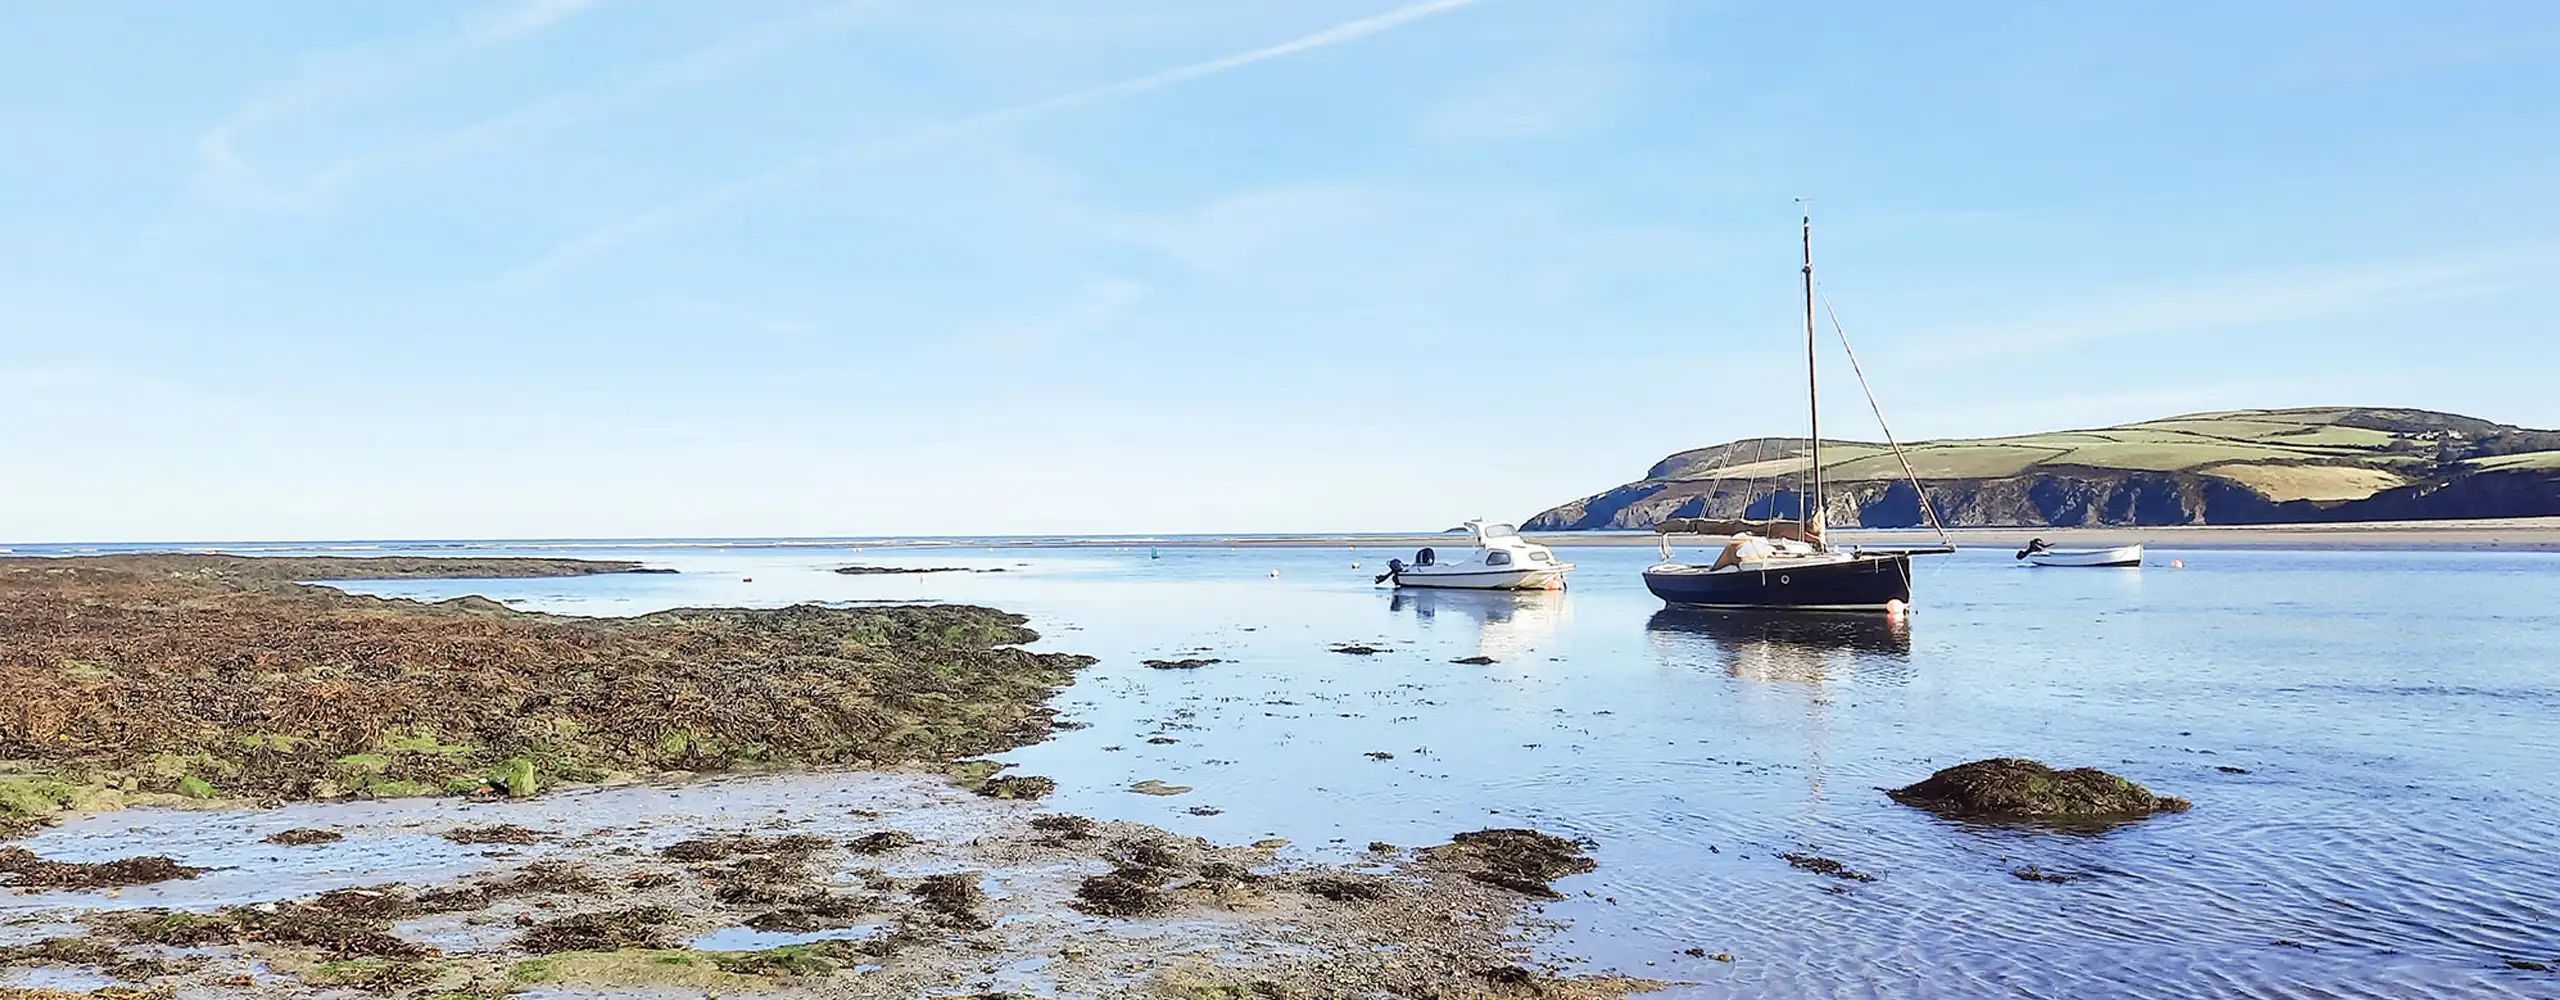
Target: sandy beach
<point>2510,535</point>
<point>2523,534</point>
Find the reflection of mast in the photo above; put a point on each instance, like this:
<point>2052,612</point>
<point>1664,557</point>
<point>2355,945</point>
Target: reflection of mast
<point>1782,649</point>
<point>1817,737</point>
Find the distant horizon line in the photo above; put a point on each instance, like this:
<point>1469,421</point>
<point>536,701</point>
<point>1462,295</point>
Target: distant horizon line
<point>705,541</point>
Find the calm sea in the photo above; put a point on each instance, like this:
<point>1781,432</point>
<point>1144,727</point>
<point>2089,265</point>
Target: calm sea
<point>2371,740</point>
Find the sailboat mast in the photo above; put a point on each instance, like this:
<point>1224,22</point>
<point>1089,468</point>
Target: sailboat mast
<point>1811,511</point>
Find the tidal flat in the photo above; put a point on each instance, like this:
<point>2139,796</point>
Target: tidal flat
<point>2361,740</point>
<point>230,782</point>
<point>2362,735</point>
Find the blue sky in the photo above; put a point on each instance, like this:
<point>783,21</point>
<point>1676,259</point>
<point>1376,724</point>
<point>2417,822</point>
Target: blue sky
<point>613,268</point>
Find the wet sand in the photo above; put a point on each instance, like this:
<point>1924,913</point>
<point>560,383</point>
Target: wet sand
<point>853,885</point>
<point>839,885</point>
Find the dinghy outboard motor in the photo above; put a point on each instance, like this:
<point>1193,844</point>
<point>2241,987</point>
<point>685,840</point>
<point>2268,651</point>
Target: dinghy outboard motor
<point>2034,545</point>
<point>1394,566</point>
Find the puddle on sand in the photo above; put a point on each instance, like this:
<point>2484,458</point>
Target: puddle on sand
<point>75,978</point>
<point>33,931</point>
<point>751,939</point>
<point>614,833</point>
<point>458,931</point>
<point>398,840</point>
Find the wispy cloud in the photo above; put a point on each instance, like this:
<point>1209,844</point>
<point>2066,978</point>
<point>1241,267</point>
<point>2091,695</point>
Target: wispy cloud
<point>1231,235</point>
<point>730,55</point>
<point>1532,102</point>
<point>1094,308</point>
<point>2257,300</point>
<point>2041,413</point>
<point>1555,70</point>
<point>346,76</point>
<point>602,240</point>
<point>531,18</point>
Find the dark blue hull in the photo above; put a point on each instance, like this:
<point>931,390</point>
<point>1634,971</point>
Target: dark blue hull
<point>1863,583</point>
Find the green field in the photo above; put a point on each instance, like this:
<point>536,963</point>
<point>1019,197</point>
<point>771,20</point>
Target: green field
<point>2323,453</point>
<point>2237,464</point>
<point>2528,460</point>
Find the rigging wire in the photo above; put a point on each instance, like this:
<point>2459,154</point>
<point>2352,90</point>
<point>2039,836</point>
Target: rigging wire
<point>1751,487</point>
<point>1723,462</point>
<point>1926,508</point>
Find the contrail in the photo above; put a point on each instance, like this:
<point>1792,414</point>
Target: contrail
<point>603,240</point>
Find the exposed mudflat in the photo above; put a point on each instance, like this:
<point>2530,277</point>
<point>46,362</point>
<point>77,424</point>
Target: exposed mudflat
<point>238,569</point>
<point>324,794</point>
<point>166,677</point>
<point>850,885</point>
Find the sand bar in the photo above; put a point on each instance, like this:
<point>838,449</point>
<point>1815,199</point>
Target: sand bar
<point>2522,534</point>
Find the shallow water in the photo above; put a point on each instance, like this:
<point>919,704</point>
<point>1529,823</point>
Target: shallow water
<point>2396,831</point>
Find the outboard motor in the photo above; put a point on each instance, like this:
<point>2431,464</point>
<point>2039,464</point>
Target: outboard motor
<point>1394,566</point>
<point>2034,545</point>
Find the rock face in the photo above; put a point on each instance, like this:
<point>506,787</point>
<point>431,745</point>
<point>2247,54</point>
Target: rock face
<point>2238,467</point>
<point>2012,789</point>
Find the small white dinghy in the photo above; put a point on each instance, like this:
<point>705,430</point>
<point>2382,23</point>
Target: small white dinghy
<point>2040,554</point>
<point>1501,560</point>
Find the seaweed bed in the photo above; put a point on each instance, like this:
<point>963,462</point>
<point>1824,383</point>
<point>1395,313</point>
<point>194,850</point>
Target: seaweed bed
<point>581,917</point>
<point>2013,789</point>
<point>1523,861</point>
<point>127,678</point>
<point>27,871</point>
<point>224,677</point>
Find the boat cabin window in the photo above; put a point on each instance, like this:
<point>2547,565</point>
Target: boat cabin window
<point>1499,531</point>
<point>1497,559</point>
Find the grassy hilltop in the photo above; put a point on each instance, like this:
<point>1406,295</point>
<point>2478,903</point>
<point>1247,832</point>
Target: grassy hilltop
<point>2235,467</point>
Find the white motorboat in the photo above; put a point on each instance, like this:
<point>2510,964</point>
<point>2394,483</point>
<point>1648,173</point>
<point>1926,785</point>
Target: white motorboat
<point>2040,554</point>
<point>1500,560</point>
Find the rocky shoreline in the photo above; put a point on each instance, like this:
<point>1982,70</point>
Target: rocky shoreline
<point>457,800</point>
<point>852,885</point>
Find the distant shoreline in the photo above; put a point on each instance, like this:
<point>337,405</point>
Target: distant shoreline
<point>2524,534</point>
<point>2520,534</point>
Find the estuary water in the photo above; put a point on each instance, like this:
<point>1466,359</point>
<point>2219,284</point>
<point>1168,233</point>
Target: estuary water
<point>2371,741</point>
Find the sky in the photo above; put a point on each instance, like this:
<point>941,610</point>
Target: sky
<point>643,268</point>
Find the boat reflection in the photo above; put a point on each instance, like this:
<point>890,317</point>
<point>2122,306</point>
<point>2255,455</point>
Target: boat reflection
<point>1507,622</point>
<point>1793,647</point>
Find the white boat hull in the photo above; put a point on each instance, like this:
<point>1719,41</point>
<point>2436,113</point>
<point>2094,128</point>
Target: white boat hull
<point>1477,578</point>
<point>2122,555</point>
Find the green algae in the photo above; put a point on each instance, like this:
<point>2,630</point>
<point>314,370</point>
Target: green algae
<point>710,971</point>
<point>138,673</point>
<point>373,974</point>
<point>2017,790</point>
<point>28,801</point>
<point>516,776</point>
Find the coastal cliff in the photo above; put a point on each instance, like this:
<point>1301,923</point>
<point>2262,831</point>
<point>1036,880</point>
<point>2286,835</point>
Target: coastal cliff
<point>2237,467</point>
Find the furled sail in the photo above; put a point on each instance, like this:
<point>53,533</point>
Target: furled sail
<point>1793,531</point>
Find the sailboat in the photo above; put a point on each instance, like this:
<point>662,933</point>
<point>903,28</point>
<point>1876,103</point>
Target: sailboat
<point>1787,564</point>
